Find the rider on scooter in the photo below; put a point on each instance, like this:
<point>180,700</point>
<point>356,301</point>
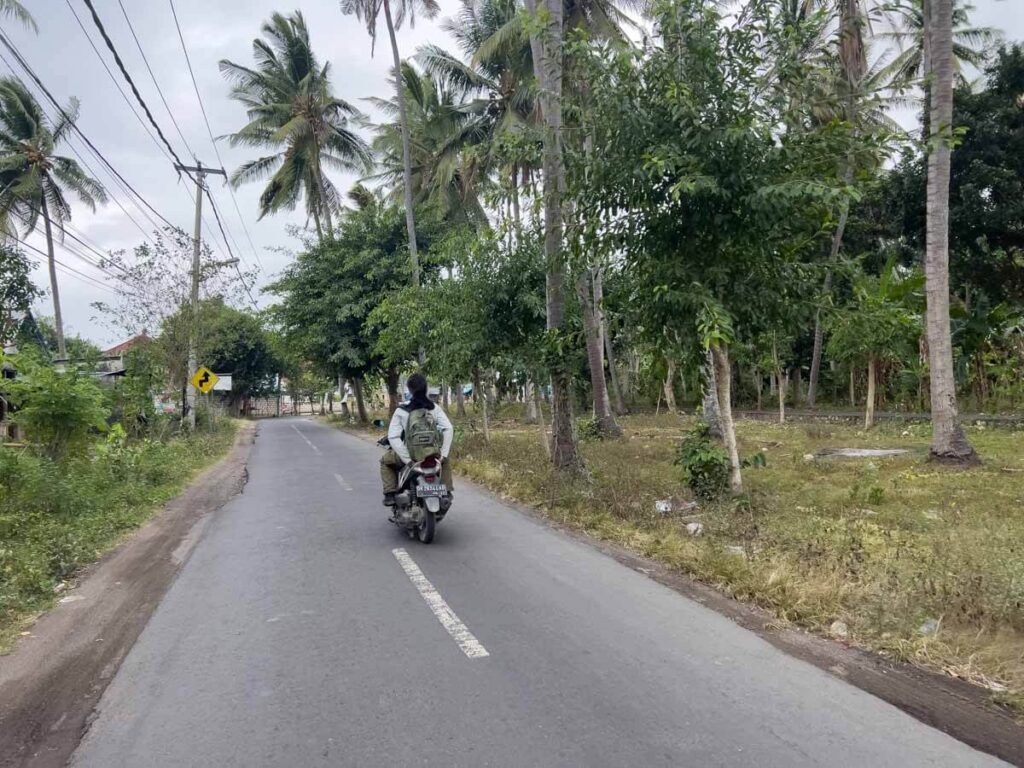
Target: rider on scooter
<point>419,406</point>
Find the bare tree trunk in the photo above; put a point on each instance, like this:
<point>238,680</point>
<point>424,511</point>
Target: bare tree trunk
<point>670,386</point>
<point>357,386</point>
<point>712,412</point>
<point>869,407</point>
<point>618,404</point>
<point>51,263</point>
<point>758,386</point>
<point>345,411</point>
<point>781,384</point>
<point>538,404</point>
<point>618,401</point>
<point>853,388</point>
<point>547,60</point>
<point>444,397</point>
<point>403,118</point>
<point>460,400</point>
<point>325,203</point>
<point>723,381</point>
<point>484,397</point>
<point>392,382</point>
<point>531,403</point>
<point>595,354</point>
<point>949,443</point>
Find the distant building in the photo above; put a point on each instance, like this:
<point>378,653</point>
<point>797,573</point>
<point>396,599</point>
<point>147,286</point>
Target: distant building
<point>113,360</point>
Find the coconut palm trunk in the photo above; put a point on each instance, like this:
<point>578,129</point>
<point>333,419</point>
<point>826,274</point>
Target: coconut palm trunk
<point>547,59</point>
<point>949,444</point>
<point>403,117</point>
<point>51,263</point>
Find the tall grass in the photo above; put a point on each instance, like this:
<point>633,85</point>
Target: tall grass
<point>58,515</point>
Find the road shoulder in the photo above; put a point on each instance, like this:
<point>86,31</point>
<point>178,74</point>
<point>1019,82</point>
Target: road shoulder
<point>51,682</point>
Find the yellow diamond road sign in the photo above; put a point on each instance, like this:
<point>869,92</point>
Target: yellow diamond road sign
<point>204,379</point>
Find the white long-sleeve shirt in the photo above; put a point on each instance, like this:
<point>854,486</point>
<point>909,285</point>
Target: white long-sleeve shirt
<point>400,420</point>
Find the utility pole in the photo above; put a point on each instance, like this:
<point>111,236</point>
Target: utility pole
<point>200,175</point>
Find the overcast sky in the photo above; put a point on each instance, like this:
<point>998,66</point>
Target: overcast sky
<point>213,29</point>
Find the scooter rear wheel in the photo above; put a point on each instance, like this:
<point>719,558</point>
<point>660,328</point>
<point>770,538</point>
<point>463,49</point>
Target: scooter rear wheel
<point>425,531</point>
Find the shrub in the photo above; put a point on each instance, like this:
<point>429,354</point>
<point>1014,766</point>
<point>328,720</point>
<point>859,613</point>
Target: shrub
<point>57,410</point>
<point>704,463</point>
<point>588,429</point>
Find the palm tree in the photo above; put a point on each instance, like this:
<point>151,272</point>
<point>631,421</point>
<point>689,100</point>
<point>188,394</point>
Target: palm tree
<point>35,180</point>
<point>949,444</point>
<point>368,11</point>
<point>15,10</point>
<point>909,68</point>
<point>441,130</point>
<point>292,110</point>
<point>500,79</point>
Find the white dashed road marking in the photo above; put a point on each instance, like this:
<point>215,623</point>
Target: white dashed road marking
<point>460,634</point>
<point>299,433</point>
<point>342,482</point>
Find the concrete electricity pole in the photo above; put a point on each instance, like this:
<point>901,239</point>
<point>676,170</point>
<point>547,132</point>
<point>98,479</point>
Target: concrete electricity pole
<point>200,175</point>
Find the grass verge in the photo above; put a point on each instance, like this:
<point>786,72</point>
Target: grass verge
<point>913,560</point>
<point>56,517</point>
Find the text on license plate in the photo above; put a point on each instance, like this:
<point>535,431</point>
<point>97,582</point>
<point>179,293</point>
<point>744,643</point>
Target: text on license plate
<point>436,489</point>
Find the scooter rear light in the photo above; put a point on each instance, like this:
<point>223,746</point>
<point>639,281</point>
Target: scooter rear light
<point>429,463</point>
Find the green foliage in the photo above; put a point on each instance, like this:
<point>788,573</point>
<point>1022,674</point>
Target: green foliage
<point>294,113</point>
<point>705,465</point>
<point>58,410</point>
<point>588,428</point>
<point>143,378</point>
<point>332,287</point>
<point>882,319</point>
<point>56,516</point>
<point>17,291</point>
<point>229,341</point>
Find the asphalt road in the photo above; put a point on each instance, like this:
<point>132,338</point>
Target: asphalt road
<point>297,636</point>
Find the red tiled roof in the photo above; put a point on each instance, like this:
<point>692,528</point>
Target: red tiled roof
<point>125,346</point>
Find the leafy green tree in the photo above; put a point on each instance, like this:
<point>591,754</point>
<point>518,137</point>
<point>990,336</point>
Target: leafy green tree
<point>330,289</point>
<point>78,350</point>
<point>879,326</point>
<point>716,215</point>
<point>57,409</point>
<point>232,341</point>
<point>293,111</point>
<point>17,291</point>
<point>36,181</point>
<point>986,207</point>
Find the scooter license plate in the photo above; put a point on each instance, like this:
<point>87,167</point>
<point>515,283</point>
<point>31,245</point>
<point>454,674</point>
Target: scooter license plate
<point>431,489</point>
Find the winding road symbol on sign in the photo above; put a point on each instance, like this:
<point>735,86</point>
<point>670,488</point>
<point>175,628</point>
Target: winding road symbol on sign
<point>204,379</point>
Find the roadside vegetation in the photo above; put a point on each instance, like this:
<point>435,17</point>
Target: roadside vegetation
<point>96,463</point>
<point>891,554</point>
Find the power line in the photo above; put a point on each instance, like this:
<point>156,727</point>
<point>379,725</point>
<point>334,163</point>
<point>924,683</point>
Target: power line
<point>114,79</point>
<point>31,73</point>
<point>209,130</point>
<point>78,154</point>
<point>159,90</point>
<point>67,230</point>
<point>216,215</point>
<point>131,83</point>
<point>71,271</point>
